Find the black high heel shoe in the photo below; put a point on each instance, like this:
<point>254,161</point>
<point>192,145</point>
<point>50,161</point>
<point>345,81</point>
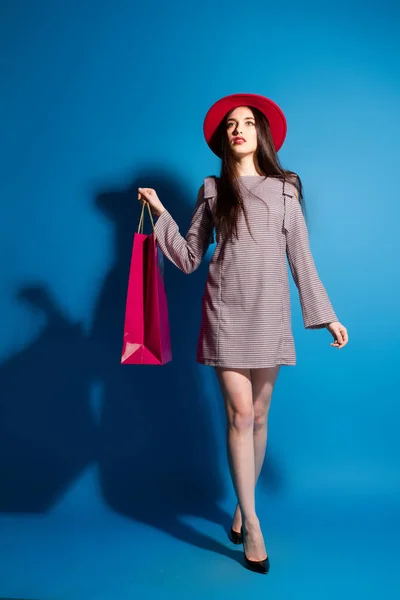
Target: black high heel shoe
<point>235,537</point>
<point>259,566</point>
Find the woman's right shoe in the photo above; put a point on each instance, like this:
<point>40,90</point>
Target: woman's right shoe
<point>235,537</point>
<point>259,566</point>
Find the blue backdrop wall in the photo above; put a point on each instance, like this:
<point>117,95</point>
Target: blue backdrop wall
<point>107,469</point>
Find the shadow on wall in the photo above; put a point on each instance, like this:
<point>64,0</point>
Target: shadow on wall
<point>154,440</point>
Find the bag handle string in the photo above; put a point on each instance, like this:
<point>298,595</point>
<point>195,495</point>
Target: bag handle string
<point>140,228</point>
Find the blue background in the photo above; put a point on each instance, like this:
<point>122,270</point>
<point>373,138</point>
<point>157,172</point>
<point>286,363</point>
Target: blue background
<point>114,480</point>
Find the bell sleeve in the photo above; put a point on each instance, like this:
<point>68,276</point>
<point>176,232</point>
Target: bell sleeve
<point>316,307</point>
<point>186,252</point>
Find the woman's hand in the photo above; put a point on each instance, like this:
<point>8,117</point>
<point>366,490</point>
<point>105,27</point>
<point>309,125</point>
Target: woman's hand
<point>149,195</point>
<point>339,333</point>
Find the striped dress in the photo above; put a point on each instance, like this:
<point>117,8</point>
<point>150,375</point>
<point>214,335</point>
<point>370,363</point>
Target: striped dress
<point>246,316</point>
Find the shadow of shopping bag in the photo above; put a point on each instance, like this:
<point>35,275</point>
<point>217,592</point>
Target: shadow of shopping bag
<point>146,338</point>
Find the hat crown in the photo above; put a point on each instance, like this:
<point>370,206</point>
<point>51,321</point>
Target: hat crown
<point>272,112</point>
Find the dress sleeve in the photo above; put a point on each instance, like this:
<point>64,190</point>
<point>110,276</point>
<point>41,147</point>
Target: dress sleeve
<point>316,307</point>
<point>186,252</point>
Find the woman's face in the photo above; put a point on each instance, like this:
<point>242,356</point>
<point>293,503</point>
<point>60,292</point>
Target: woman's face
<point>241,124</point>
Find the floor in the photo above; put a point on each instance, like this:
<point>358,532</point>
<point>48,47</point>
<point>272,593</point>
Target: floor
<point>318,550</point>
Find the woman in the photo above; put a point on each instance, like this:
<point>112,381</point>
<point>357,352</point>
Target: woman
<point>246,322</point>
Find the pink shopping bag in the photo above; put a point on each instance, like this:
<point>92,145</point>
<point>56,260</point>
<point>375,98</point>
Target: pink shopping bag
<point>146,338</point>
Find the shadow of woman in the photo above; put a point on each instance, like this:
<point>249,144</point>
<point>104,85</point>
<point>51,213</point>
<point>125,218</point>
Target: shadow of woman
<point>47,430</point>
<point>157,441</point>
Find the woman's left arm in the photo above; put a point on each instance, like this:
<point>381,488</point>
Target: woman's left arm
<point>316,306</point>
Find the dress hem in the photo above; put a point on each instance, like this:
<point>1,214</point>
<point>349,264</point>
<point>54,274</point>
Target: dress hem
<point>216,363</point>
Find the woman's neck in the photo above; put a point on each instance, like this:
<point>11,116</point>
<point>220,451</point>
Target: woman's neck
<point>246,167</point>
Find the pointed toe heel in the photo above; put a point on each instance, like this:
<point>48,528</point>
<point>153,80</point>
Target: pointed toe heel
<point>259,566</point>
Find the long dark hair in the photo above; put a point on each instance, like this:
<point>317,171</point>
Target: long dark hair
<point>229,200</point>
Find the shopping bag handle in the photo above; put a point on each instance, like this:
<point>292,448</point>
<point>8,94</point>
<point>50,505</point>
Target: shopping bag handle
<point>140,229</point>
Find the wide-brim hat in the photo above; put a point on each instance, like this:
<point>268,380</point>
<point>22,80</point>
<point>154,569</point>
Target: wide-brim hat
<point>216,113</point>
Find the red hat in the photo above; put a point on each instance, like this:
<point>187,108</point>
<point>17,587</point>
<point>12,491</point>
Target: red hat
<point>215,114</point>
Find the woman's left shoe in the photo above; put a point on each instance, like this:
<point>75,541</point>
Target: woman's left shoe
<point>235,537</point>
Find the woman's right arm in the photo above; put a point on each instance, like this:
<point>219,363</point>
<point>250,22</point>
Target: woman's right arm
<point>186,252</point>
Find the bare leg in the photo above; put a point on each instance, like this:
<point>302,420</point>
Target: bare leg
<point>263,382</point>
<point>236,388</point>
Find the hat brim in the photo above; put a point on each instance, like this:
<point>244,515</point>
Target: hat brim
<point>215,114</point>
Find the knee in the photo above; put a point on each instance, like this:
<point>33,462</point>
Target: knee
<point>242,420</point>
<point>260,419</point>
<point>261,415</point>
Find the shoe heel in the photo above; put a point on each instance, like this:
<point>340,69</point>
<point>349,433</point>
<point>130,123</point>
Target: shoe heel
<point>235,537</point>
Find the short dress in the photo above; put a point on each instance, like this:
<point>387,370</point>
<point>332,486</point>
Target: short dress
<point>246,316</point>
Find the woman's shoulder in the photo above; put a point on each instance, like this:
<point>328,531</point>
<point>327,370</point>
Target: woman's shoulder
<point>291,184</point>
<point>210,186</point>
<point>294,183</point>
